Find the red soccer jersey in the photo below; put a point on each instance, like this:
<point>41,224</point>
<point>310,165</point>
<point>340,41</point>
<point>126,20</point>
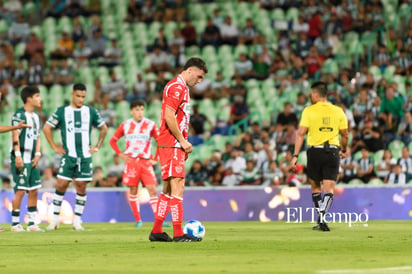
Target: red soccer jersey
<point>176,97</point>
<point>138,138</point>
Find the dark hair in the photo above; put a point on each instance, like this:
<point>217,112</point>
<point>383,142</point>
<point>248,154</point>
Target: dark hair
<point>196,62</point>
<point>136,103</point>
<point>28,91</point>
<point>79,86</point>
<point>321,88</point>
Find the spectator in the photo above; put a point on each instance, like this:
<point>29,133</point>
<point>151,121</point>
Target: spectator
<point>107,112</point>
<point>333,26</point>
<point>243,67</point>
<point>315,25</point>
<point>98,178</point>
<point>406,162</point>
<point>303,45</point>
<point>272,175</point>
<point>115,172</point>
<point>65,47</point>
<point>261,68</point>
<point>177,60</point>
<point>397,176</point>
<point>116,87</point>
<point>313,61</point>
<point>286,117</point>
<point>229,32</point>
<point>77,30</point>
<point>82,54</point>
<point>219,87</point>
<point>53,73</point>
<point>236,161</point>
<point>148,12</point>
<point>197,175</point>
<point>238,89</point>
<point>392,104</point>
<point>405,128</point>
<point>177,40</point>
<point>161,41</point>
<point>97,44</point>
<point>159,85</point>
<point>347,168</point>
<point>250,175</point>
<point>239,110</point>
<point>159,61</point>
<point>385,165</point>
<point>324,45</point>
<point>35,71</point>
<point>210,35</point>
<point>248,153</point>
<point>197,124</point>
<point>361,106</point>
<point>112,55</point>
<point>189,34</point>
<point>133,12</point>
<point>230,179</point>
<point>19,31</point>
<point>201,90</point>
<point>34,45</point>
<point>248,33</point>
<point>175,11</point>
<point>19,74</point>
<point>140,89</point>
<point>365,167</point>
<point>300,26</point>
<point>66,73</point>
<point>48,181</point>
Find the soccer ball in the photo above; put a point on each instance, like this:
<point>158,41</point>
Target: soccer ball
<point>195,229</point>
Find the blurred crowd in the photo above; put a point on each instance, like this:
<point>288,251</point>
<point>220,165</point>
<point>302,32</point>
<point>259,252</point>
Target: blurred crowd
<point>371,82</point>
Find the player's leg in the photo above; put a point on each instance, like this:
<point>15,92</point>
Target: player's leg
<point>64,177</point>
<point>58,196</point>
<point>131,178</point>
<point>35,184</point>
<point>83,174</point>
<point>20,187</point>
<point>15,213</point>
<point>157,234</point>
<point>315,178</point>
<point>81,198</point>
<point>135,205</point>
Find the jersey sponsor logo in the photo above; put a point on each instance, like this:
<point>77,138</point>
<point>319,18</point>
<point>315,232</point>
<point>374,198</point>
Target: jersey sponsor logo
<point>137,137</point>
<point>325,129</point>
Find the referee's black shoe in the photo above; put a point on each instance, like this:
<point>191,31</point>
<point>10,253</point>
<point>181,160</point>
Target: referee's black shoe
<point>324,227</point>
<point>159,237</point>
<point>186,238</point>
<point>316,227</point>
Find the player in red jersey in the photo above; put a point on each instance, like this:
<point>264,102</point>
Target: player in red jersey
<point>174,149</point>
<point>138,132</point>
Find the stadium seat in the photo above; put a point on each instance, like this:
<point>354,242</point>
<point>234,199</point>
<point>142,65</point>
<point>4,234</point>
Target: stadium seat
<point>355,182</point>
<point>375,182</point>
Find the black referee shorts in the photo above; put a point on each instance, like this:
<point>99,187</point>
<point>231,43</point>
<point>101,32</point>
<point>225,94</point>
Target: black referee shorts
<point>323,164</point>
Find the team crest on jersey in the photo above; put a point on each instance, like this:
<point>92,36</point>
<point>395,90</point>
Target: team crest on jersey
<point>178,169</point>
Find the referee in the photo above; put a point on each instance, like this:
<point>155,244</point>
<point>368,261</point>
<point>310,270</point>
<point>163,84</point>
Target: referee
<point>323,122</point>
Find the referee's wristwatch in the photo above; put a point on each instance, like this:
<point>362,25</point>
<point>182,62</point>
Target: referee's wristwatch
<point>296,155</point>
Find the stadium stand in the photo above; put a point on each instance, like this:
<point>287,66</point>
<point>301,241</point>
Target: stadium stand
<point>369,44</point>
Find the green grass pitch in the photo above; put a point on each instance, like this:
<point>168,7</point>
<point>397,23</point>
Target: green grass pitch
<point>229,247</point>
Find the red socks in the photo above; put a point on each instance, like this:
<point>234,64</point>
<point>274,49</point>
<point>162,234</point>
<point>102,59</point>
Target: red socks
<point>134,204</point>
<point>161,212</point>
<point>176,209</point>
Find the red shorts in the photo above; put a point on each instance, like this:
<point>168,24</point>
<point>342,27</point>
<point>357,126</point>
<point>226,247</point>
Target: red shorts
<point>172,162</point>
<point>136,170</point>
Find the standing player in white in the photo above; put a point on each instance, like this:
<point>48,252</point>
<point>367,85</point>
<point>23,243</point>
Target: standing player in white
<point>138,132</point>
<point>75,122</point>
<point>25,155</point>
<point>174,149</point>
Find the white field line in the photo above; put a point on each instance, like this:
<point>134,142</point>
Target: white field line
<point>400,269</point>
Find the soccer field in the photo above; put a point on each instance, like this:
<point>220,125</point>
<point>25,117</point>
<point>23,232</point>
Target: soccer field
<point>229,247</point>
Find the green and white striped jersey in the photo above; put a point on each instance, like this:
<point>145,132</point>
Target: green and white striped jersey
<point>28,136</point>
<point>75,127</point>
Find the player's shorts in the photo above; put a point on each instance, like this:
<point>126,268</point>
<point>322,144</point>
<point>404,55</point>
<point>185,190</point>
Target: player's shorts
<point>26,179</point>
<point>172,162</point>
<point>138,170</point>
<point>77,169</point>
<point>322,164</point>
